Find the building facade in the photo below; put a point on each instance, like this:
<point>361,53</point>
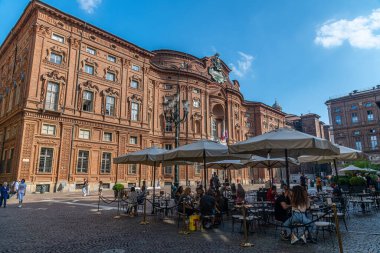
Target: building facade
<point>73,97</point>
<point>355,120</point>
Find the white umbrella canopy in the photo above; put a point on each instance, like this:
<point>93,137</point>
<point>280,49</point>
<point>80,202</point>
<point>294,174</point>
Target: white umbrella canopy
<point>149,156</point>
<point>345,154</point>
<point>270,163</point>
<point>227,164</point>
<point>277,141</point>
<point>352,168</point>
<point>285,142</point>
<point>200,151</point>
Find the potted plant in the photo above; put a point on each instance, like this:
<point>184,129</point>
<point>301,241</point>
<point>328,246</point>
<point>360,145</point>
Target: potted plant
<point>117,189</point>
<point>344,183</point>
<point>358,184</point>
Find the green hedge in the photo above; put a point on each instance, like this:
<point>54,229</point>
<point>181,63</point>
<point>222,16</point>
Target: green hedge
<point>118,187</point>
<point>357,181</point>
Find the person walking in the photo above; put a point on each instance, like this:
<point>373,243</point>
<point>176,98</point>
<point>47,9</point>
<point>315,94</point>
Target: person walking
<point>85,187</point>
<point>4,194</point>
<point>21,192</point>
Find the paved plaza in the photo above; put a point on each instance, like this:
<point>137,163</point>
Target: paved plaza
<point>68,222</point>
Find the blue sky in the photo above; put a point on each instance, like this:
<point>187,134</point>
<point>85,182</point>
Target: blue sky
<point>298,51</point>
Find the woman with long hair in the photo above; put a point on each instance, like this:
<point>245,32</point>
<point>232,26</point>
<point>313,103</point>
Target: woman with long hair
<point>300,203</point>
<point>240,194</point>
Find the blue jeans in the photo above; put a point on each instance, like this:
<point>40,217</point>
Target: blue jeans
<point>299,218</point>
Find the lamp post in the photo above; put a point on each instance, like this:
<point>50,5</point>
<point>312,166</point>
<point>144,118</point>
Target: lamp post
<point>172,114</point>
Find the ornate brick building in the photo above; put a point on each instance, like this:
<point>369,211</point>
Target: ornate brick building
<point>355,120</point>
<point>74,96</point>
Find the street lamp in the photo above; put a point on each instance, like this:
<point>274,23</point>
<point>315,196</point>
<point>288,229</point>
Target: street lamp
<point>172,114</point>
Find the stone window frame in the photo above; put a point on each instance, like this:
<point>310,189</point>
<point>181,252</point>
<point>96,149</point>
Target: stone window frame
<point>109,92</point>
<point>54,77</point>
<point>89,48</point>
<point>101,171</point>
<point>59,36</point>
<point>137,79</point>
<point>87,86</point>
<point>39,159</point>
<point>89,62</point>
<point>107,132</point>
<point>112,70</point>
<point>87,130</point>
<point>197,117</point>
<point>196,100</point>
<point>49,124</point>
<point>135,138</point>
<point>88,161</point>
<point>129,169</point>
<point>135,99</point>
<point>110,56</point>
<point>59,51</point>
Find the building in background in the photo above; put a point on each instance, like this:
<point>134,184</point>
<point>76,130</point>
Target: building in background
<point>74,96</point>
<point>355,120</point>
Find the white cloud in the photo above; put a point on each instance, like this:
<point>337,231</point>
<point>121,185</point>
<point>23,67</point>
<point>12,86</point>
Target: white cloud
<point>89,5</point>
<point>359,32</point>
<point>243,64</point>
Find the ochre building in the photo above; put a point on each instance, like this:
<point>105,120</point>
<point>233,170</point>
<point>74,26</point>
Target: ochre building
<point>74,96</point>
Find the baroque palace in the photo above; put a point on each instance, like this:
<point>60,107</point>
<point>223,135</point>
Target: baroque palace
<point>74,96</point>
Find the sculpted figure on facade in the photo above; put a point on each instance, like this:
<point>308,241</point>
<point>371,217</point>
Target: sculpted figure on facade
<point>216,70</point>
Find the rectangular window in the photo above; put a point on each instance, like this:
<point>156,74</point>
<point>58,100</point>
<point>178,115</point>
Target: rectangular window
<point>168,87</point>
<point>111,58</point>
<point>82,165</point>
<point>168,170</point>
<point>338,120</point>
<point>196,103</point>
<point>46,160</point>
<point>132,169</point>
<point>88,101</point>
<point>135,67</point>
<point>134,111</point>
<point>168,146</point>
<point>358,145</point>
<point>90,50</point>
<point>58,38</point>
<point>195,90</point>
<point>248,124</point>
<point>368,104</point>
<point>168,126</point>
<point>372,131</point>
<point>356,132</point>
<point>213,129</point>
<point>106,163</point>
<point>369,116</point>
<point>55,58</point>
<point>134,84</point>
<point>84,134</point>
<point>133,140</point>
<point>52,95</point>
<point>89,69</point>
<point>110,106</point>
<point>373,142</point>
<point>354,117</point>
<point>48,129</point>
<point>197,168</point>
<point>107,136</point>
<point>110,76</point>
<point>9,162</point>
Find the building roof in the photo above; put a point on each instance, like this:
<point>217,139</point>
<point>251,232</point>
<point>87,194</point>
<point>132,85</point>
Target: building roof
<point>356,94</point>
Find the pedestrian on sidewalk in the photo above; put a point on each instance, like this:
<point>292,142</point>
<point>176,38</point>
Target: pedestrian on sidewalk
<point>85,187</point>
<point>21,192</point>
<point>4,194</point>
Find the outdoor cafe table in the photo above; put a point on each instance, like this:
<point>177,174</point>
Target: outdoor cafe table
<point>362,201</point>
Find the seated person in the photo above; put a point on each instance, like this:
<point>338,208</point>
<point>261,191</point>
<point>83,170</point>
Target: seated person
<point>186,201</point>
<point>282,209</point>
<point>271,194</point>
<point>240,194</point>
<point>132,202</point>
<point>300,203</point>
<point>336,190</point>
<point>178,194</point>
<point>199,192</point>
<point>207,206</point>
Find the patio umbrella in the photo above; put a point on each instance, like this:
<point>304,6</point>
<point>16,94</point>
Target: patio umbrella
<point>270,163</point>
<point>346,154</point>
<point>285,141</point>
<point>199,151</point>
<point>227,165</point>
<point>352,168</point>
<point>150,156</point>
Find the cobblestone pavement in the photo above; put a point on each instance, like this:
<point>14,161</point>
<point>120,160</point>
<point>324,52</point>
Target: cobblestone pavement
<point>70,223</point>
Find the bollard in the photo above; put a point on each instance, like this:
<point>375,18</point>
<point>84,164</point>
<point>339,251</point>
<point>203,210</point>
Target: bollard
<point>144,221</point>
<point>98,212</point>
<point>245,243</point>
<point>185,228</point>
<point>337,229</point>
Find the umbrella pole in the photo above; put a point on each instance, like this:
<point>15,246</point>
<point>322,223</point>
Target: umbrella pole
<point>271,175</point>
<point>154,186</point>
<point>287,168</point>
<point>336,172</point>
<point>205,169</point>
